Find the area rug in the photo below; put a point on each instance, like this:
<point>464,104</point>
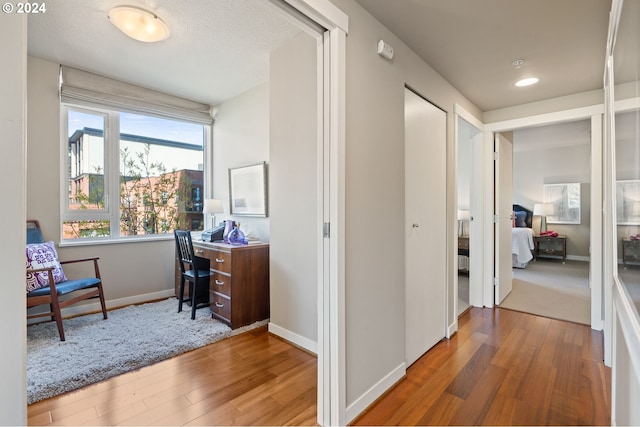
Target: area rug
<point>97,349</point>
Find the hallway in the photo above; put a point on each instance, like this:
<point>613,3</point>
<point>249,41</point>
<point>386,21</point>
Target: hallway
<point>504,368</point>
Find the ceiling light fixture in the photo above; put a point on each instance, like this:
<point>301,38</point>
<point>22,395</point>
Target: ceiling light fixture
<point>527,82</point>
<point>139,24</point>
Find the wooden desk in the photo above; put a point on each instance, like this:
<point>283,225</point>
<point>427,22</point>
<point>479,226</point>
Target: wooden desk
<point>239,284</point>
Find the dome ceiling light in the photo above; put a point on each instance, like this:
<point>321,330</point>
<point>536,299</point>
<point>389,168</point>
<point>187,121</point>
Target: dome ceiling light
<point>139,24</point>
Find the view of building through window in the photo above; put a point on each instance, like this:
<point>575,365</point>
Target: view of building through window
<point>160,176</point>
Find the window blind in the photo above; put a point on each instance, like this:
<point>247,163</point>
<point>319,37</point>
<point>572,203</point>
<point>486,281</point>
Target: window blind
<point>89,89</point>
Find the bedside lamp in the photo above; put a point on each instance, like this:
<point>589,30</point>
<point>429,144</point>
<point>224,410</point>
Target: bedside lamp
<point>543,210</point>
<point>212,207</point>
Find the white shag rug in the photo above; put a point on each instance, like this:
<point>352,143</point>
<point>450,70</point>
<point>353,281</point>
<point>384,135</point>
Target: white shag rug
<point>97,349</point>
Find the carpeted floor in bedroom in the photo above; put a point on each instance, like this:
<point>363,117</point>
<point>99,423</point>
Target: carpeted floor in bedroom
<point>552,289</point>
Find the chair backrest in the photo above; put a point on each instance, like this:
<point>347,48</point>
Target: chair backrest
<point>184,246</point>
<point>34,234</point>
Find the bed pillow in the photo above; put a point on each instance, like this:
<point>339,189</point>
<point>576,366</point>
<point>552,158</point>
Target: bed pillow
<point>521,219</point>
<point>43,255</point>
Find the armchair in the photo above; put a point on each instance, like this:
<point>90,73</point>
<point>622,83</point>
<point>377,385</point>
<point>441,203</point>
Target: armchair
<point>51,292</point>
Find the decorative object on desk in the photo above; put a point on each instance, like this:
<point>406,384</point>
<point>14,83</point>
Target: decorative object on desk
<point>463,220</point>
<point>248,190</point>
<point>542,210</point>
<point>229,225</point>
<point>134,337</point>
<point>236,237</point>
<point>628,202</point>
<point>565,199</point>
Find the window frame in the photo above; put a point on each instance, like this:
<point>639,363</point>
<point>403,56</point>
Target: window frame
<point>111,211</point>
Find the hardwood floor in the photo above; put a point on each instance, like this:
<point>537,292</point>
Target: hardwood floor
<point>502,368</point>
<point>249,379</point>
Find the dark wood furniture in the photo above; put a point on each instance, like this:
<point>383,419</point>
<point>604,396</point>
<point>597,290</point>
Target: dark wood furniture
<point>550,247</point>
<point>630,251</point>
<point>239,283</point>
<point>463,250</point>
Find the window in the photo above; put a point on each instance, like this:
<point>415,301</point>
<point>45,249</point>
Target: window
<point>131,174</point>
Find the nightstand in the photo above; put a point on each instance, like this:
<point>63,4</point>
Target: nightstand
<point>630,251</point>
<point>550,247</point>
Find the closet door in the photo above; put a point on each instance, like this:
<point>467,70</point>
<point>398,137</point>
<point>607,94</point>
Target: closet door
<point>425,225</point>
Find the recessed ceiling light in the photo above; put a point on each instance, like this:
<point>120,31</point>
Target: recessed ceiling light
<point>527,82</point>
<point>139,24</point>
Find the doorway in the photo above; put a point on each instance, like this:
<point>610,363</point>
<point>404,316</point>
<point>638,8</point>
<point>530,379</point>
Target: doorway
<point>561,282</point>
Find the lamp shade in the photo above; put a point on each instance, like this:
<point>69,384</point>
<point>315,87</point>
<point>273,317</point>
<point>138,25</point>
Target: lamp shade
<point>463,214</point>
<point>543,209</point>
<point>212,206</point>
<point>139,24</point>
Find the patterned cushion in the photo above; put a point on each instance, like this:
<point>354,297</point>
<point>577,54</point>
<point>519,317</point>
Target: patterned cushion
<point>43,255</point>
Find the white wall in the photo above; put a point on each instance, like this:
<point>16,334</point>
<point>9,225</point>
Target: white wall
<point>375,200</point>
<point>120,264</point>
<point>293,191</point>
<point>13,390</point>
<point>555,154</point>
<point>241,137</point>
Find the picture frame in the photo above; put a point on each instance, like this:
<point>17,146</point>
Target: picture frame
<point>628,202</point>
<point>248,190</point>
<point>565,199</point>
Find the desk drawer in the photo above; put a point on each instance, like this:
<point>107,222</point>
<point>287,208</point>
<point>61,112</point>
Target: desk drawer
<point>220,283</point>
<point>219,260</point>
<point>220,306</point>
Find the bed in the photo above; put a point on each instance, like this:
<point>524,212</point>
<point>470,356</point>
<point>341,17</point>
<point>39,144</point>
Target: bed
<point>521,237</point>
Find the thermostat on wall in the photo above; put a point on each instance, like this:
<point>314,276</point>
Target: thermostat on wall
<point>385,50</point>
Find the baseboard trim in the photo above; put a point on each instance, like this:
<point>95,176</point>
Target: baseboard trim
<point>94,305</point>
<point>375,392</point>
<point>293,338</point>
<point>578,258</point>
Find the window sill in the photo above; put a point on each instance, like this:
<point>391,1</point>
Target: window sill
<point>115,241</point>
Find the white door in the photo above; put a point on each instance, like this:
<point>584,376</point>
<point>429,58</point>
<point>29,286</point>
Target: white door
<point>425,225</point>
<point>503,209</point>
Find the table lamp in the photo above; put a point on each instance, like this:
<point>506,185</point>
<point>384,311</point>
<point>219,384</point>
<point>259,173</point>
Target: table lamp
<point>543,210</point>
<point>212,207</point>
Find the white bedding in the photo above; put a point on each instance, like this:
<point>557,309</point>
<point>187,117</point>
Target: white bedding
<point>521,246</point>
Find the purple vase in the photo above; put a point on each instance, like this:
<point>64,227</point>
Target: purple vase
<point>228,227</point>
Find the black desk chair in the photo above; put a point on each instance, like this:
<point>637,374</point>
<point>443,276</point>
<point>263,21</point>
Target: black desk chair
<point>193,269</point>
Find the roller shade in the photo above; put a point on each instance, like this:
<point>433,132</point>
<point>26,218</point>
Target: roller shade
<point>89,89</point>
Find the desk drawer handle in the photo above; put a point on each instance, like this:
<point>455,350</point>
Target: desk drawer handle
<point>219,260</point>
<point>199,251</point>
<point>219,282</point>
<point>219,305</point>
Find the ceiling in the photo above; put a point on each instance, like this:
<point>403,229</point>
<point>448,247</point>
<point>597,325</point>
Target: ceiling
<point>220,48</point>
<point>217,48</point>
<point>472,44</point>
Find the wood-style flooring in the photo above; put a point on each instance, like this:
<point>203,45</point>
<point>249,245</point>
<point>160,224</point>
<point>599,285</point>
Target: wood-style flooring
<point>502,368</point>
<point>250,379</point>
